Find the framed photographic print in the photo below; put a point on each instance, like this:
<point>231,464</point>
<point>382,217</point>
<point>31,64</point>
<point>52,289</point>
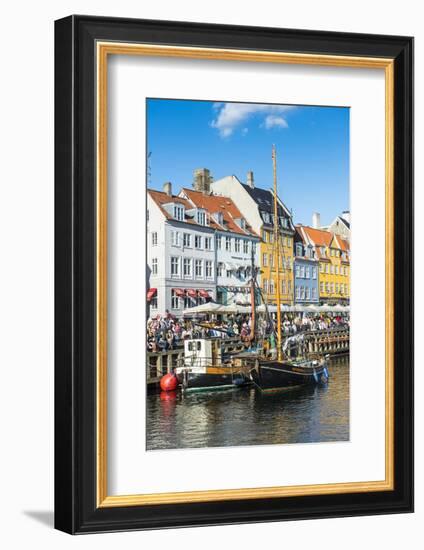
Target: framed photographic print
<point>234,287</point>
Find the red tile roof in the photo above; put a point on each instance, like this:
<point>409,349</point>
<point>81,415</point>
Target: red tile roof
<point>320,237</point>
<point>214,204</point>
<point>162,198</point>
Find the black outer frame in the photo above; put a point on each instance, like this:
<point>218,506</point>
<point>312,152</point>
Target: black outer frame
<point>75,275</point>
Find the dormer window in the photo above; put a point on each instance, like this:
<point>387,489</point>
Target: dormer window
<point>219,218</point>
<point>241,222</point>
<point>298,249</point>
<point>201,217</point>
<point>179,212</point>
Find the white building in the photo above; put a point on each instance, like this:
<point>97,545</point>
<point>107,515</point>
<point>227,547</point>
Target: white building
<point>181,268</point>
<point>235,242</point>
<point>339,226</point>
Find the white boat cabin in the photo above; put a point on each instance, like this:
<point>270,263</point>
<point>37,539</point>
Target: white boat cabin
<point>202,353</point>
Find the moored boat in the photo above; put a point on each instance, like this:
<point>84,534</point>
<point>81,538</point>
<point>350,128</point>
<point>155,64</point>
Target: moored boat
<point>204,368</point>
<point>278,373</point>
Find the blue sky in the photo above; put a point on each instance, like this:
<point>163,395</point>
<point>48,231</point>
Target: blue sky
<point>231,138</point>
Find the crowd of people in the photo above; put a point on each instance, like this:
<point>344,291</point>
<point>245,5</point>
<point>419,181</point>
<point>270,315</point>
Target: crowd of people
<point>166,332</point>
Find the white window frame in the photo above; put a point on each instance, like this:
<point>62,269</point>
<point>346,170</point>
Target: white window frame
<point>175,261</point>
<point>154,266</point>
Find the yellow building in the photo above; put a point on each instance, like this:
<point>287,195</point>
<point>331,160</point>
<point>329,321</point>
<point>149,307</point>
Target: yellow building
<point>268,266</point>
<point>333,254</point>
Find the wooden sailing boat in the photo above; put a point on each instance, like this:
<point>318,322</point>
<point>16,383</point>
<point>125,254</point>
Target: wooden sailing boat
<point>270,373</point>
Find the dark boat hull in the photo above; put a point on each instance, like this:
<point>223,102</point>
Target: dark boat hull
<point>192,381</point>
<point>276,375</point>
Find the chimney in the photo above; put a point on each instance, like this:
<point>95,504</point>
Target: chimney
<point>202,180</point>
<point>346,215</point>
<point>250,181</point>
<point>167,188</point>
<point>316,220</point>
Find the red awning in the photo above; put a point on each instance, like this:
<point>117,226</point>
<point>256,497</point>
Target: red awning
<point>179,292</point>
<point>150,293</point>
<point>204,294</point>
<point>192,293</point>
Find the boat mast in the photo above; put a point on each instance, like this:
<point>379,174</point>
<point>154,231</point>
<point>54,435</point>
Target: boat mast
<point>277,256</point>
<point>252,293</point>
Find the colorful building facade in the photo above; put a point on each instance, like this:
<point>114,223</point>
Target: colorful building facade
<point>306,270</point>
<point>257,206</point>
<point>333,255</point>
<point>236,246</point>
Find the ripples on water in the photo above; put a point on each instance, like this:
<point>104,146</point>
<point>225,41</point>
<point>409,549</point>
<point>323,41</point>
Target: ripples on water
<point>247,417</point>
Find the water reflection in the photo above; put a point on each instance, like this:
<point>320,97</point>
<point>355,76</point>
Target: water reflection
<point>247,417</point>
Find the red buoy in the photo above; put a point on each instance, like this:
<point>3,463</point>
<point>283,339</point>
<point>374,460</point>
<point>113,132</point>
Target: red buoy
<point>168,382</point>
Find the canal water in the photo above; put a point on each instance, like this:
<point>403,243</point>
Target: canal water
<point>247,417</point>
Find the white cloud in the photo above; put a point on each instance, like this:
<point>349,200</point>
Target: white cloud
<point>232,115</point>
<point>272,121</point>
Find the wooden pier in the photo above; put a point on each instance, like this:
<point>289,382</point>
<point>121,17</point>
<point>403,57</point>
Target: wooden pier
<point>318,342</point>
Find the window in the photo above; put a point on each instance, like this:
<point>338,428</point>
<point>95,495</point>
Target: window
<point>332,288</point>
<point>175,266</point>
<point>175,301</point>
<point>308,293</point>
<point>265,286</point>
<point>321,268</point>
<point>289,241</point>
<point>187,302</point>
<point>271,286</point>
<point>175,238</point>
<point>187,267</point>
<point>283,286</point>
<point>327,288</point>
<point>187,240</point>
<point>208,243</point>
<point>327,268</point>
<point>264,259</point>
<point>271,237</point>
<point>219,269</point>
<point>245,247</point>
<point>336,269</point>
<point>337,288</point>
<point>298,293</point>
<point>302,292</point>
<point>154,239</point>
<point>179,212</point>
<point>154,266</point>
<point>228,272</point>
<point>198,268</point>
<point>271,260</point>
<point>201,217</point>
<point>197,241</point>
<point>154,302</point>
<point>307,272</point>
<point>228,244</point>
<point>321,288</point>
<point>237,245</point>
<point>298,249</point>
<point>253,248</point>
<point>314,293</point>
<point>297,271</point>
<point>332,269</point>
<point>314,273</point>
<point>208,269</point>
<point>264,236</point>
<point>302,271</point>
<point>218,242</point>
